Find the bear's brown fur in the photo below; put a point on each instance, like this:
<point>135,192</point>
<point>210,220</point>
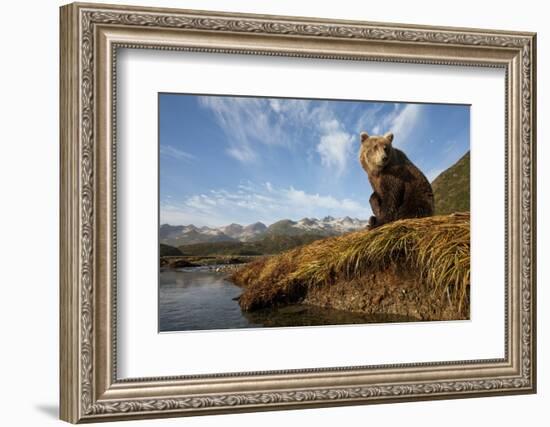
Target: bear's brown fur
<point>400,189</point>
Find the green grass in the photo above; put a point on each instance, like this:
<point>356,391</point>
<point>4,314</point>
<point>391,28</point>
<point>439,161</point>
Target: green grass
<point>437,248</point>
<point>452,188</point>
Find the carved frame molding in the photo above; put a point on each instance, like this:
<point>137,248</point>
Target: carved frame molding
<point>90,37</point>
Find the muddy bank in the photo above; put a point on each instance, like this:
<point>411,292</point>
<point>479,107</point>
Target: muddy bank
<point>389,292</point>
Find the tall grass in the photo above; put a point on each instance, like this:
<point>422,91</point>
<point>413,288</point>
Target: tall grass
<point>436,248</point>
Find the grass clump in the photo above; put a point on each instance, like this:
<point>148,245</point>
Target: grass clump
<point>436,248</point>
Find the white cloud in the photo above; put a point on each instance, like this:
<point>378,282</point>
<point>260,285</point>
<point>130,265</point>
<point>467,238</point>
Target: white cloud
<point>301,198</point>
<point>296,111</point>
<point>401,121</point>
<point>404,122</point>
<point>275,105</point>
<point>248,122</point>
<point>368,119</point>
<point>175,153</point>
<point>335,148</point>
<point>251,203</point>
<point>335,144</point>
<point>243,153</point>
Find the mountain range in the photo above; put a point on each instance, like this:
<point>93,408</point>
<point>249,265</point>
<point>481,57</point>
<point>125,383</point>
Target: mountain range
<point>178,235</point>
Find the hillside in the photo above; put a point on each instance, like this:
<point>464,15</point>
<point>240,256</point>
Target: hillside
<point>418,268</point>
<point>452,188</point>
<point>166,250</point>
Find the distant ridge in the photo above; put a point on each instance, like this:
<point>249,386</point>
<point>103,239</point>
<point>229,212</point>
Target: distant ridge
<point>178,235</point>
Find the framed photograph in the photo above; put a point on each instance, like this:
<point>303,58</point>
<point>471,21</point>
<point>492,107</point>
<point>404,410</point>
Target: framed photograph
<point>266,212</point>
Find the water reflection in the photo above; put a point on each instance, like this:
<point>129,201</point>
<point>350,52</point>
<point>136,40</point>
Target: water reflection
<point>202,299</point>
<point>198,300</point>
<point>310,315</point>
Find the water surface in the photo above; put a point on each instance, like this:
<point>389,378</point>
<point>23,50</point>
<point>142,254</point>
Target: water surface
<point>200,298</point>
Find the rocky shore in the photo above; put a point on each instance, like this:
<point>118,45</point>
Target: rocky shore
<point>220,264</point>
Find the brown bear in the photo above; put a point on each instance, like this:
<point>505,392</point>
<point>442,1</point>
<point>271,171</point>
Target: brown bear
<point>400,189</point>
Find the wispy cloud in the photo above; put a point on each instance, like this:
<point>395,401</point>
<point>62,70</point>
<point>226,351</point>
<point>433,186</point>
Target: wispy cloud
<point>295,110</point>
<point>405,121</point>
<point>175,153</point>
<point>250,203</point>
<point>246,122</point>
<point>401,121</point>
<point>316,201</point>
<point>243,153</point>
<point>335,145</point>
<point>249,122</point>
<point>369,118</point>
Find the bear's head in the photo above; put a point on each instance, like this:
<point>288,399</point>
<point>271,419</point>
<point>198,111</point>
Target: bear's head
<point>376,151</point>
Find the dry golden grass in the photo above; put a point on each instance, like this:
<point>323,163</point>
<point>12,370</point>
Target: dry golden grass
<point>437,248</point>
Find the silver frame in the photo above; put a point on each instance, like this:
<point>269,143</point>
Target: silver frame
<point>90,37</point>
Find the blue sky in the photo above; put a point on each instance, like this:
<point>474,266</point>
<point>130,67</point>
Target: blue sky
<point>240,160</point>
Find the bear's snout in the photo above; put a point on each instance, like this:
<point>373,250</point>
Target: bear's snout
<point>383,159</point>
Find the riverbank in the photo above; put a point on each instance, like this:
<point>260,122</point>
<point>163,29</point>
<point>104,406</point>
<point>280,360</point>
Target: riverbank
<point>419,268</point>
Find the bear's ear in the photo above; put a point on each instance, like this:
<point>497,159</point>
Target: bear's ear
<point>364,136</point>
<point>389,137</point>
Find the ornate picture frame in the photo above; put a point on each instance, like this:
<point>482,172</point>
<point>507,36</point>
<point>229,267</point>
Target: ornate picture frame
<point>90,37</point>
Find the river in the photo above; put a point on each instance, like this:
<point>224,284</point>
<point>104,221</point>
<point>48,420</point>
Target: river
<point>200,298</point>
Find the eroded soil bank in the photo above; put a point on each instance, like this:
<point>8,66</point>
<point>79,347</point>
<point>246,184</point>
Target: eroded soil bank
<point>415,268</point>
<point>392,291</point>
<point>387,292</point>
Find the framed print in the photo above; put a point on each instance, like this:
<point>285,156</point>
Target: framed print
<point>244,238</point>
<point>266,212</point>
